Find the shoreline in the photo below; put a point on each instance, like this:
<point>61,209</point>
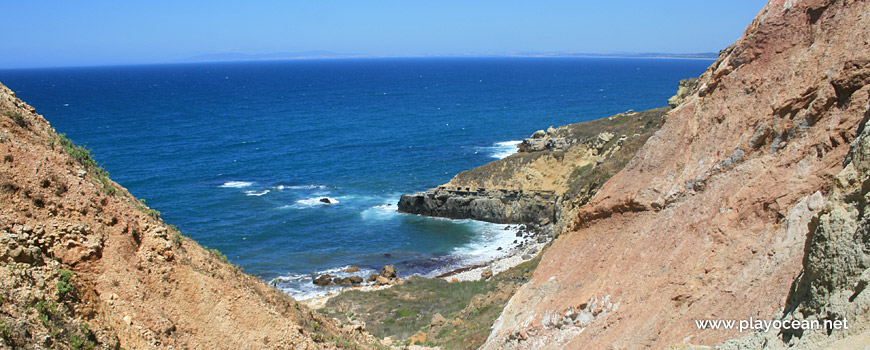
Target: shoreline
<point>532,245</point>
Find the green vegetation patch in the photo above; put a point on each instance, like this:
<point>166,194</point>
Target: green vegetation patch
<point>145,209</point>
<point>64,283</point>
<point>82,155</point>
<point>217,254</point>
<point>470,308</point>
<point>18,119</point>
<point>585,180</point>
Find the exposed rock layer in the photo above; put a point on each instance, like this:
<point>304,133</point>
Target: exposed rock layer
<point>501,206</point>
<point>685,232</point>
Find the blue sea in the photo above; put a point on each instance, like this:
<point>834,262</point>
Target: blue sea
<point>238,155</point>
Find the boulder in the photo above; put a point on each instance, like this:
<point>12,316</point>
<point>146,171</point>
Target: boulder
<point>486,273</point>
<point>372,277</point>
<point>437,320</point>
<point>352,269</point>
<point>355,279</point>
<point>389,271</point>
<point>323,280</point>
<point>419,337</point>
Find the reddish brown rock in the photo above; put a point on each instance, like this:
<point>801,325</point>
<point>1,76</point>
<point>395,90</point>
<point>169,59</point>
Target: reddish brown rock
<point>709,220</point>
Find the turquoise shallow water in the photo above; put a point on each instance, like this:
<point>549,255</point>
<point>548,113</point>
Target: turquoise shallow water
<point>237,155</point>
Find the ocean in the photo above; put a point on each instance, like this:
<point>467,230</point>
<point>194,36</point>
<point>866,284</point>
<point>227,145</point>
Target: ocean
<point>239,155</point>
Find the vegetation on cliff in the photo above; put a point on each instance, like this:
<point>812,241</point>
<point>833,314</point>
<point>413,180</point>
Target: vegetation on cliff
<point>85,265</point>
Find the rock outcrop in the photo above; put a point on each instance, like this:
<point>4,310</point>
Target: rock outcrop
<point>712,217</point>
<point>86,265</point>
<point>554,172</point>
<point>686,88</point>
<point>501,206</point>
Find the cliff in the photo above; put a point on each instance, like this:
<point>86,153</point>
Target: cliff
<point>836,264</point>
<point>554,172</point>
<point>736,208</point>
<point>86,265</point>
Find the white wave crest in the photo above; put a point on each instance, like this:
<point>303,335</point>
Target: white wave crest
<point>255,193</point>
<point>300,285</point>
<point>501,150</point>
<point>381,212</point>
<point>484,247</point>
<point>314,202</point>
<point>236,184</point>
<point>301,187</point>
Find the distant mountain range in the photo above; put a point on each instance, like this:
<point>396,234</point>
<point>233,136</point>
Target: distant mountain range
<point>238,56</point>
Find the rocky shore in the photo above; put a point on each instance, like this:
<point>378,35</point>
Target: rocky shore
<point>530,241</point>
<point>552,174</point>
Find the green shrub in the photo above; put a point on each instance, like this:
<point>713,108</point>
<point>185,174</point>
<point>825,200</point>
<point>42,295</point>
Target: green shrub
<point>5,332</point>
<point>64,283</point>
<point>217,254</point>
<point>80,340</point>
<point>18,119</point>
<point>107,188</point>
<point>148,211</point>
<point>82,155</point>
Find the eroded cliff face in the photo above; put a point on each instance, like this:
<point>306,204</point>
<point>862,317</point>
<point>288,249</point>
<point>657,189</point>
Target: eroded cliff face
<point>83,264</point>
<point>836,265</point>
<point>709,220</point>
<point>554,172</point>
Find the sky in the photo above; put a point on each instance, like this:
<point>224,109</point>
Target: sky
<point>48,33</point>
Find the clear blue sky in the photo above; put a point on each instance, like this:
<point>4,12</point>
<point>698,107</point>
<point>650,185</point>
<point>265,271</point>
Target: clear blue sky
<point>40,33</point>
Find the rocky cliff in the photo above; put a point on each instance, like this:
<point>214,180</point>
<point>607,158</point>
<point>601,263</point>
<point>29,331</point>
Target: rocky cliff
<point>554,172</point>
<point>836,264</point>
<point>86,265</point>
<point>737,207</point>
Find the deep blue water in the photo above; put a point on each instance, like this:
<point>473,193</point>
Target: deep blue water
<point>237,154</point>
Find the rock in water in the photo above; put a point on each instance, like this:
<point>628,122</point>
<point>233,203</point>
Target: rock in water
<point>373,277</point>
<point>325,200</point>
<point>323,280</point>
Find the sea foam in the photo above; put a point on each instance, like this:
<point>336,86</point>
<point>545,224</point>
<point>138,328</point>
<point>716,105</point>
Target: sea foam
<point>255,193</point>
<point>501,150</point>
<point>237,184</point>
<point>314,202</point>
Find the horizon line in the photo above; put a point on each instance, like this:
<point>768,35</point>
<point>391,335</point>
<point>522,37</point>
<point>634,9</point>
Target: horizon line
<point>711,56</point>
